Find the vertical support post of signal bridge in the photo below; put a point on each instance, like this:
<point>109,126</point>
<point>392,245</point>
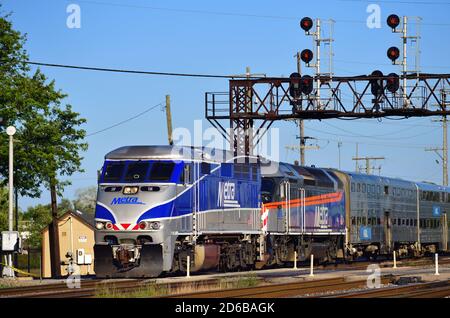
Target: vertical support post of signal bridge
<point>311,272</point>
<point>404,63</point>
<point>444,142</point>
<point>395,259</point>
<point>301,123</point>
<point>318,62</point>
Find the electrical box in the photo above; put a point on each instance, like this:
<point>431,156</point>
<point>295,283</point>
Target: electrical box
<point>11,241</point>
<point>80,256</point>
<point>88,259</point>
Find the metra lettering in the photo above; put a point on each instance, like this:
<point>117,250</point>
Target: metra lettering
<point>126,200</point>
<point>227,191</point>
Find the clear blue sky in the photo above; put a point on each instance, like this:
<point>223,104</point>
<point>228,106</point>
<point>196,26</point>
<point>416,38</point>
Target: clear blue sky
<point>223,38</point>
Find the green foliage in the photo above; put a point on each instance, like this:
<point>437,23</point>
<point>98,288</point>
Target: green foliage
<point>36,218</point>
<point>48,140</point>
<point>3,209</point>
<point>86,199</point>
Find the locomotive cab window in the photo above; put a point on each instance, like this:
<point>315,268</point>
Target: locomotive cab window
<point>136,171</point>
<point>161,171</point>
<point>113,171</point>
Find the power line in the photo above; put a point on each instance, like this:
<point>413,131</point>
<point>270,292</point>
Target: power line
<point>403,2</point>
<point>101,69</point>
<point>222,13</point>
<point>124,121</point>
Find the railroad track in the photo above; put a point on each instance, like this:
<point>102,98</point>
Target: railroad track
<point>90,289</point>
<point>281,290</point>
<point>421,290</point>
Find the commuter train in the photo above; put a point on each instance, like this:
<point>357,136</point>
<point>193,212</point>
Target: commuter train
<point>160,207</point>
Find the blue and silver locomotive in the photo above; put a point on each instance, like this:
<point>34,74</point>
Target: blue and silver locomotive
<point>160,206</point>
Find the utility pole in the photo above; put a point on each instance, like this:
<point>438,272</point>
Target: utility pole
<point>443,152</point>
<point>339,154</point>
<point>55,258</point>
<point>302,147</point>
<point>356,161</point>
<point>169,120</point>
<point>367,160</point>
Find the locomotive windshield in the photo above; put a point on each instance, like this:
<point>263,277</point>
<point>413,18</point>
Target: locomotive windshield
<point>161,171</point>
<point>113,171</point>
<point>137,171</point>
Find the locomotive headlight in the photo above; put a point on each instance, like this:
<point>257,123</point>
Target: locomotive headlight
<point>130,190</point>
<point>100,225</point>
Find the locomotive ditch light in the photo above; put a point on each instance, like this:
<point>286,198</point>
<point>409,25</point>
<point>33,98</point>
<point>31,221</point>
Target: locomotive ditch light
<point>306,56</point>
<point>295,89</point>
<point>393,53</point>
<point>130,190</point>
<point>393,21</point>
<point>306,24</point>
<point>392,82</point>
<point>307,84</point>
<point>376,85</point>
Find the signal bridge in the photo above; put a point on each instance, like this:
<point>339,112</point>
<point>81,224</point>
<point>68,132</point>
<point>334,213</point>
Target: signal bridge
<point>252,105</point>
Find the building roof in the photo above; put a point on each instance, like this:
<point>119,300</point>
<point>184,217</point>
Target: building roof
<point>82,217</point>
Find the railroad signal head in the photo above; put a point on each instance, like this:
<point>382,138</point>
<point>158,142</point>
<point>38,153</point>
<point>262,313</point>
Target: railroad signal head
<point>306,56</point>
<point>393,21</point>
<point>306,24</point>
<point>392,82</point>
<point>295,88</point>
<point>393,53</point>
<point>307,84</point>
<point>376,85</point>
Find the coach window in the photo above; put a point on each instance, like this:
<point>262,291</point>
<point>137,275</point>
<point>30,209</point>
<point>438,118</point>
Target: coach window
<point>386,190</point>
<point>394,221</point>
<point>363,188</point>
<point>407,222</point>
<point>358,187</point>
<point>353,220</point>
<point>353,187</point>
<point>161,171</point>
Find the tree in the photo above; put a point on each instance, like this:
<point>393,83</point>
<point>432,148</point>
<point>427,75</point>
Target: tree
<point>30,103</point>
<point>36,218</point>
<point>3,209</point>
<point>86,199</point>
<point>48,135</point>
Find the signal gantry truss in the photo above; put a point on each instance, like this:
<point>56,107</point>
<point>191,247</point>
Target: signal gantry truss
<point>252,105</point>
